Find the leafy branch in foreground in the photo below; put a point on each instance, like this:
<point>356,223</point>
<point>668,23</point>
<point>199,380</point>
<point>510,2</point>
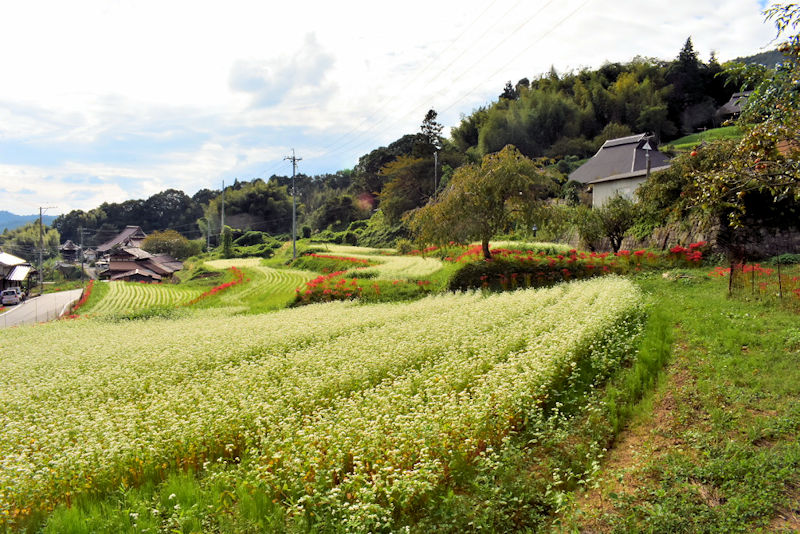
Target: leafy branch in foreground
<point>767,159</point>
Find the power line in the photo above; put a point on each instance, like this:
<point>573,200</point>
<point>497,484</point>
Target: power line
<point>503,40</point>
<point>505,65</point>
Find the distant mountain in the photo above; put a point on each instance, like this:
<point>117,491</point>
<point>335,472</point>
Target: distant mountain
<point>768,59</point>
<point>10,221</point>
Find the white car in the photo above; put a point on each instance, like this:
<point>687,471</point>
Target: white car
<point>10,296</point>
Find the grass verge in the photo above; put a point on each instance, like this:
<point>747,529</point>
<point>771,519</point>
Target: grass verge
<point>718,450</point>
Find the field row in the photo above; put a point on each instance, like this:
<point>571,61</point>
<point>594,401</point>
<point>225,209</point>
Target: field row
<point>266,282</point>
<point>390,267</point>
<point>391,394</point>
<point>125,297</point>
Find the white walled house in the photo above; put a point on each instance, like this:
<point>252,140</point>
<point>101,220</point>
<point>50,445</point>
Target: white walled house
<point>620,166</point>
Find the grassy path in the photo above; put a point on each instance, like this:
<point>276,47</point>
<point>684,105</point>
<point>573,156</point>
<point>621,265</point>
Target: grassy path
<point>717,447</point>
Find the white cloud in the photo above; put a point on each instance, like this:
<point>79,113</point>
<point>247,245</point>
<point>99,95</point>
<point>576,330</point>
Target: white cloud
<point>271,81</point>
<point>145,95</point>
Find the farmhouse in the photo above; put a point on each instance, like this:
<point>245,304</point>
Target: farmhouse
<point>127,262</point>
<point>133,264</point>
<point>14,271</point>
<point>732,108</point>
<point>620,166</point>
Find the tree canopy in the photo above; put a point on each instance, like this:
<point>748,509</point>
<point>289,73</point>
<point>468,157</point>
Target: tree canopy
<point>480,200</point>
<point>767,158</point>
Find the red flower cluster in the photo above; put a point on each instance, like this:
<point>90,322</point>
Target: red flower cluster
<point>84,297</point>
<point>340,258</point>
<point>239,278</point>
<point>693,254</point>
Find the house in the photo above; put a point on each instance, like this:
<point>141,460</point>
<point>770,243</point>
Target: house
<point>132,264</point>
<point>14,271</point>
<point>131,236</point>
<point>70,252</point>
<point>732,108</point>
<point>620,166</point>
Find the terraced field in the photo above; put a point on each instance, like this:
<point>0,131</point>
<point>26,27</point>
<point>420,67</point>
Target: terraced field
<point>268,287</point>
<point>358,413</point>
<point>391,266</point>
<point>125,297</point>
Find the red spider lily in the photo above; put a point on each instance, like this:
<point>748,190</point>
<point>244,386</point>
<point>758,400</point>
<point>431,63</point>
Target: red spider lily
<point>222,287</point>
<point>84,297</point>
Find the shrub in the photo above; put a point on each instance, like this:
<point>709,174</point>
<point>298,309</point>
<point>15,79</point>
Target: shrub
<point>404,246</point>
<point>784,259</point>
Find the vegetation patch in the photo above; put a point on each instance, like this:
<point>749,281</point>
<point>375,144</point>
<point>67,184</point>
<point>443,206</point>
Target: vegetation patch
<point>511,269</point>
<point>328,263</point>
<point>380,443</point>
<point>718,449</point>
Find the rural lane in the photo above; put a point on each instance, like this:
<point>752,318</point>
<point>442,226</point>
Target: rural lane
<point>39,309</point>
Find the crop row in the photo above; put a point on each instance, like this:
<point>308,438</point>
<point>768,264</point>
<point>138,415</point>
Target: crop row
<point>390,395</point>
<point>129,296</point>
<point>268,281</point>
<point>391,267</point>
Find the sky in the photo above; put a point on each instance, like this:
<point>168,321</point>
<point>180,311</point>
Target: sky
<point>108,100</point>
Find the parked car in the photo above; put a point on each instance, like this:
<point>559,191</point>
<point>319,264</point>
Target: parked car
<point>10,296</point>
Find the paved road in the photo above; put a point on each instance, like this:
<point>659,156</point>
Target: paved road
<point>39,309</point>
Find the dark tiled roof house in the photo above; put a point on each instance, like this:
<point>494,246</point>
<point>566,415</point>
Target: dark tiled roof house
<point>620,166</point>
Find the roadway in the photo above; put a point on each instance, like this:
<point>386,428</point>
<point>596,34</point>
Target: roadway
<point>39,309</point>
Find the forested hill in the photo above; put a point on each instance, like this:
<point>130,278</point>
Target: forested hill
<point>559,115</point>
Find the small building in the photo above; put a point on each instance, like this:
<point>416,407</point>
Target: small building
<point>70,252</point>
<point>732,108</point>
<point>15,272</point>
<point>620,166</point>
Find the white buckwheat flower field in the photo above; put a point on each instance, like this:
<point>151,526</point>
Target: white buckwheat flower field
<point>357,408</point>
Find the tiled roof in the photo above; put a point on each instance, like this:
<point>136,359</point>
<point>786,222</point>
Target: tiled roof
<point>620,156</point>
<point>133,272</point>
<point>131,234</point>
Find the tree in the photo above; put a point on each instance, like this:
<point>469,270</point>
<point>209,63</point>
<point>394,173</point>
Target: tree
<point>615,218</point>
<point>430,135</point>
<point>366,174</point>
<point>481,200</point>
<point>24,241</point>
<point>227,242</point>
<point>410,184</point>
<point>253,205</point>
<point>509,92</point>
<point>172,243</point>
<point>766,161</point>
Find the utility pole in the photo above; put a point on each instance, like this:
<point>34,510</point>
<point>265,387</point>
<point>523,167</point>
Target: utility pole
<point>435,171</point>
<point>294,204</point>
<point>41,247</point>
<point>80,229</point>
<point>222,219</point>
